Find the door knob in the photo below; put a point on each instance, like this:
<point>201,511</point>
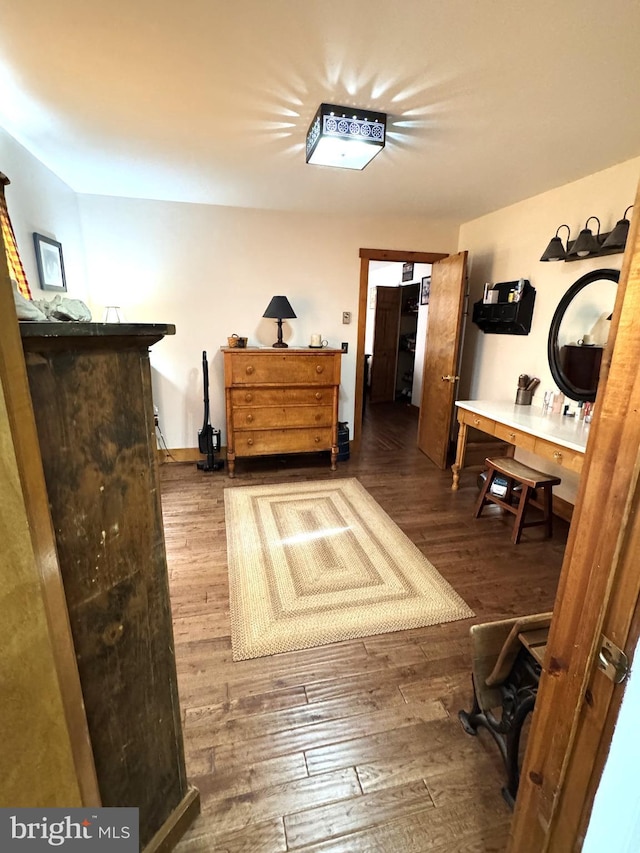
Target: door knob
<point>449,378</point>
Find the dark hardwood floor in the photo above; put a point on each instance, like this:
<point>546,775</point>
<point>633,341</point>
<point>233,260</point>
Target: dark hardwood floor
<point>354,746</point>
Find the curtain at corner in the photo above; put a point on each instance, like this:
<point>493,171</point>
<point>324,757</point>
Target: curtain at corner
<point>16,270</point>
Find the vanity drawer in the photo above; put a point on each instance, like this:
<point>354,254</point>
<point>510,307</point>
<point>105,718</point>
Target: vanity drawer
<point>478,422</point>
<point>262,417</point>
<point>515,436</point>
<point>258,442</point>
<point>562,456</point>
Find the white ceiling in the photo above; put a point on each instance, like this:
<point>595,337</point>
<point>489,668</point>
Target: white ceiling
<point>490,101</point>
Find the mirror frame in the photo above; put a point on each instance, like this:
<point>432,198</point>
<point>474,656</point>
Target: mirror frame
<point>553,350</point>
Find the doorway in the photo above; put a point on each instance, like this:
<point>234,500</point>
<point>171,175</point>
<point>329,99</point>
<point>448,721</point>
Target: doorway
<point>445,321</point>
<point>396,331</point>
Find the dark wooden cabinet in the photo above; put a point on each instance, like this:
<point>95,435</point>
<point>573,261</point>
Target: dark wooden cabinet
<point>91,389</point>
<point>581,365</point>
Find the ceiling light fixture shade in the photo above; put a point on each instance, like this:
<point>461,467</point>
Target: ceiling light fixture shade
<point>555,251</point>
<point>587,243</point>
<point>345,137</point>
<point>279,309</point>
<point>617,239</point>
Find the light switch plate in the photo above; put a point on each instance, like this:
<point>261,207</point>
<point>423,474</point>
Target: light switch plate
<point>346,317</point>
<point>345,346</point>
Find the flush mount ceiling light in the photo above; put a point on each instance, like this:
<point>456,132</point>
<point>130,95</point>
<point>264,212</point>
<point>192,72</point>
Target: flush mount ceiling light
<point>345,137</point>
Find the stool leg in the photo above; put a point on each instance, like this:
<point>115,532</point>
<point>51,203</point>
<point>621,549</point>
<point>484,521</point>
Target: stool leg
<point>522,507</point>
<point>483,493</point>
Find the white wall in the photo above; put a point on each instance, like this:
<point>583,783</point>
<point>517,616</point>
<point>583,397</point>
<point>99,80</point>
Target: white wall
<point>615,819</point>
<point>507,245</point>
<point>212,271</point>
<point>39,201</point>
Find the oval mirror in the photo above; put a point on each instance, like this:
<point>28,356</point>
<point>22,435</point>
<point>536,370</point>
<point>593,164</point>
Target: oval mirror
<point>579,332</point>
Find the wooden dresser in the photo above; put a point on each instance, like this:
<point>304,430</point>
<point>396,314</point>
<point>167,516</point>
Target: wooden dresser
<point>281,401</point>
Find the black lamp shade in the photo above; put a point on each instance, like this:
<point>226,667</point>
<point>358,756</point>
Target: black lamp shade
<point>279,309</point>
<point>617,239</point>
<point>555,251</point>
<point>587,244</point>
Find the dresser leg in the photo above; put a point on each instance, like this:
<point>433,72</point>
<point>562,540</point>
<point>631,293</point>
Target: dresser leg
<point>231,464</point>
<point>334,456</point>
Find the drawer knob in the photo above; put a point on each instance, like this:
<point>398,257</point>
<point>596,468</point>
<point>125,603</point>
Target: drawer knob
<point>249,418</point>
<point>557,456</point>
<point>318,395</point>
<point>512,436</point>
<point>249,369</point>
<point>476,421</point>
<point>317,439</point>
<point>319,368</point>
<point>248,398</point>
<point>249,441</point>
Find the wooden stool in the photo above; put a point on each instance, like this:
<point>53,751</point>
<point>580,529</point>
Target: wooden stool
<point>530,480</point>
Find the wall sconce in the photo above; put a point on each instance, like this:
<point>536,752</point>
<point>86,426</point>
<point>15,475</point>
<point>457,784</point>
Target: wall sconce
<point>617,239</point>
<point>555,251</point>
<point>279,309</point>
<point>588,244</point>
<point>345,137</point>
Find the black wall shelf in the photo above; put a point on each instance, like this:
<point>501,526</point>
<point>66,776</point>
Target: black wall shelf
<point>504,317</point>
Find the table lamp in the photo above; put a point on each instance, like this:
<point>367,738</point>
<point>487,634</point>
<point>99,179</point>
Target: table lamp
<point>279,309</point>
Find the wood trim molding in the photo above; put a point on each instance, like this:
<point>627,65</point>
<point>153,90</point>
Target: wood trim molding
<point>175,826</point>
<point>366,255</point>
<point>400,256</point>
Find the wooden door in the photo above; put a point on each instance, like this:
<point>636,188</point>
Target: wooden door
<point>385,345</point>
<point>442,356</point>
<point>598,594</point>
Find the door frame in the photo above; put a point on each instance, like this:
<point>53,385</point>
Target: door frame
<point>598,594</point>
<point>366,255</point>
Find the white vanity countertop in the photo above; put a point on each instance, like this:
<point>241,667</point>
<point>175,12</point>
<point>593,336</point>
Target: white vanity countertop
<point>559,429</point>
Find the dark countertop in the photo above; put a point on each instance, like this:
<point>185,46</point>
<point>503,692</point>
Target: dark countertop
<point>70,334</point>
<point>72,329</point>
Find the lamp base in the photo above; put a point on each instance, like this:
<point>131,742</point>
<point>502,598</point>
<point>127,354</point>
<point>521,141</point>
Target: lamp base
<point>280,345</point>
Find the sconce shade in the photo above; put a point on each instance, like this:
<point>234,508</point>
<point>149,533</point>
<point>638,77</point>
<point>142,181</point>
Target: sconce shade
<point>279,309</point>
<point>345,137</point>
<point>617,239</point>
<point>555,251</point>
<point>587,244</point>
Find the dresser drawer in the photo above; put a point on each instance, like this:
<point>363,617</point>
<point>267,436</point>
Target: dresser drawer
<point>291,369</point>
<point>478,421</point>
<point>514,436</point>
<point>261,417</point>
<point>562,456</point>
<point>251,397</point>
<point>258,442</point>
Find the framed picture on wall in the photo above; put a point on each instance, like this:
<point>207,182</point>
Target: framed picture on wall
<point>407,272</point>
<point>425,290</point>
<point>50,263</point>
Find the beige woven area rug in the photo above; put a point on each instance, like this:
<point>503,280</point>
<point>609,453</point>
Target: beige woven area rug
<point>316,562</point>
